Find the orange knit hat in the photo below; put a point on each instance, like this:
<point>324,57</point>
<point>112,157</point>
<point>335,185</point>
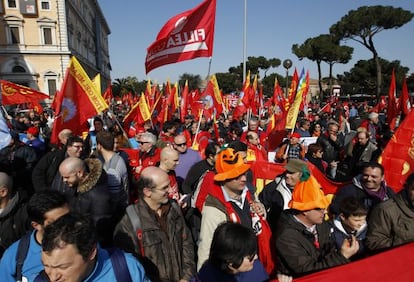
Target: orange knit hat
<point>229,164</point>
<point>307,195</point>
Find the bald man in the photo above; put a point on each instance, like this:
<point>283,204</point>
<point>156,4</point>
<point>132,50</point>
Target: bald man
<point>166,241</point>
<point>13,216</point>
<point>86,188</point>
<point>64,134</point>
<point>169,160</point>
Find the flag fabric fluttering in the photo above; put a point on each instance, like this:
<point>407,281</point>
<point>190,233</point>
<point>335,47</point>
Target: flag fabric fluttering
<point>184,102</point>
<point>212,96</point>
<point>392,104</point>
<point>292,115</point>
<point>398,156</point>
<point>405,104</point>
<point>77,101</point>
<point>97,82</point>
<point>185,36</point>
<point>139,113</point>
<point>18,94</point>
<point>5,136</point>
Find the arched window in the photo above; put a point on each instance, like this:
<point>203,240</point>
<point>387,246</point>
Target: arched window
<point>18,69</point>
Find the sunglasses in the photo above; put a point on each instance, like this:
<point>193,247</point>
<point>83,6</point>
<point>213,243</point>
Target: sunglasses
<point>142,142</point>
<point>180,145</point>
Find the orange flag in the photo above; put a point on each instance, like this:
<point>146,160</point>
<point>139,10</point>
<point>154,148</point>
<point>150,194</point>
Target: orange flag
<point>77,101</point>
<point>18,94</point>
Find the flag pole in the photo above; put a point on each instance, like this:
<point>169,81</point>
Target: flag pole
<point>209,66</point>
<point>198,127</point>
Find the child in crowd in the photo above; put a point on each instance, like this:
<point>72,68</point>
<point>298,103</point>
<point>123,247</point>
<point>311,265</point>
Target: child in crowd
<point>350,221</point>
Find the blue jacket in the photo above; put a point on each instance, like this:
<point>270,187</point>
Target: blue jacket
<point>104,271</point>
<point>210,273</point>
<point>32,264</point>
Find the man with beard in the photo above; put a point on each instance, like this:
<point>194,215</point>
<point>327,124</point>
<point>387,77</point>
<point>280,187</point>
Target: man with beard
<point>162,240</point>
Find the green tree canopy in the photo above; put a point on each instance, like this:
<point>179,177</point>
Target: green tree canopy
<point>363,24</point>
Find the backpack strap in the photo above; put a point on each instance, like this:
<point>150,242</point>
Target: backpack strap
<point>21,254</point>
<point>119,265</point>
<point>136,224</point>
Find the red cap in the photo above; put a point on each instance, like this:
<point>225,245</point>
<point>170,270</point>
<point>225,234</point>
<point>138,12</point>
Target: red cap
<point>33,130</point>
<point>296,135</point>
<point>140,130</point>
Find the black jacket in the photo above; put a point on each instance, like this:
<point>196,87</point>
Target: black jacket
<point>14,222</point>
<point>356,190</point>
<point>296,253</point>
<point>46,169</point>
<point>92,197</point>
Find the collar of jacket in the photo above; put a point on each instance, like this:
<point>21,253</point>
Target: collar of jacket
<point>95,171</point>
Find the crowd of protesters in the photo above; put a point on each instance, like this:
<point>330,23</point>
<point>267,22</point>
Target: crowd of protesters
<point>178,199</point>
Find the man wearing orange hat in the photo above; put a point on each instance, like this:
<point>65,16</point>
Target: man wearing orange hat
<point>228,199</point>
<point>303,242</point>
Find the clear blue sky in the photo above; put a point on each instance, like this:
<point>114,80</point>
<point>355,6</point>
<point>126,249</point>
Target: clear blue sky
<point>273,26</point>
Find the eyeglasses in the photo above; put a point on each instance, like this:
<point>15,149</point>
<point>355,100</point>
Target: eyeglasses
<point>143,142</point>
<point>180,145</point>
<point>290,172</point>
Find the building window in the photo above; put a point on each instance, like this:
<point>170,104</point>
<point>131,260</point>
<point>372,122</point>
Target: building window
<point>47,36</point>
<point>19,69</point>
<point>45,5</point>
<point>14,35</point>
<point>51,85</point>
<point>11,3</point>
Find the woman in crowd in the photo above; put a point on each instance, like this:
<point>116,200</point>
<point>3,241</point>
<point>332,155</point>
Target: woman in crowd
<point>233,256</point>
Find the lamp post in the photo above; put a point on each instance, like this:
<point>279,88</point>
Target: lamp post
<point>287,64</point>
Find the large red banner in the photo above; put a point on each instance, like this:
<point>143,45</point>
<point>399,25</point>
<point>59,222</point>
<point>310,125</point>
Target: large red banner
<point>184,37</point>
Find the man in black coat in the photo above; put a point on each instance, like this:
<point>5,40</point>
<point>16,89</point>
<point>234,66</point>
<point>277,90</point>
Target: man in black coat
<point>46,169</point>
<point>303,240</point>
<point>13,215</point>
<point>85,185</point>
<point>368,187</point>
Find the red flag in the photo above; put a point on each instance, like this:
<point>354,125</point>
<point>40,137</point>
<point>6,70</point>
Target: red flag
<point>292,90</point>
<point>405,104</point>
<point>78,100</point>
<point>212,96</point>
<point>398,156</point>
<point>392,105</point>
<point>108,96</point>
<point>35,105</point>
<point>18,94</point>
<point>278,98</point>
<point>184,102</point>
<point>184,37</point>
<point>139,113</point>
